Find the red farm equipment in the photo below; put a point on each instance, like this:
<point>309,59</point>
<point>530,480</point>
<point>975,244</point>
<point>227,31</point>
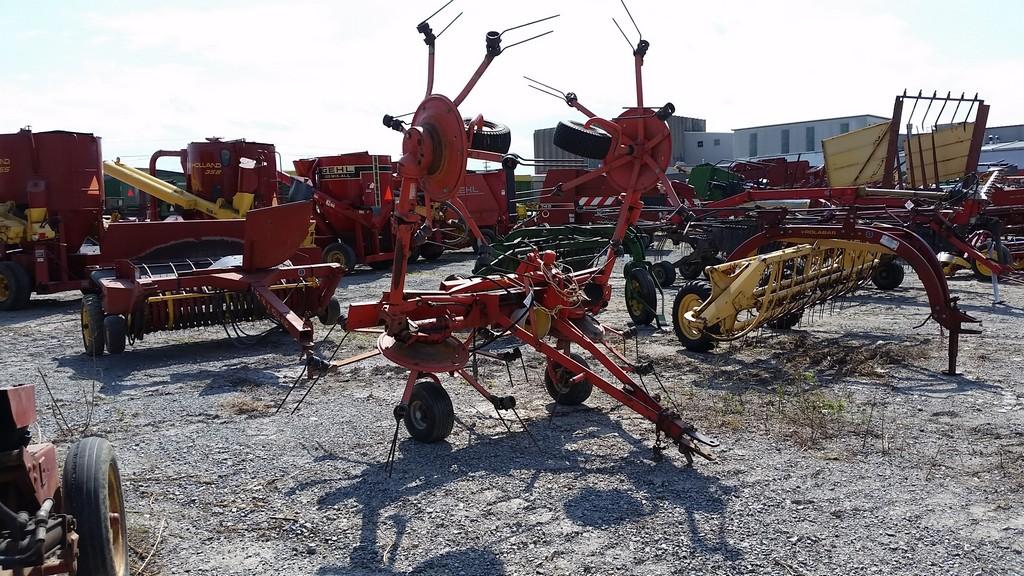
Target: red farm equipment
<point>186,274</point>
<point>51,213</point>
<point>864,168</point>
<point>233,173</point>
<point>593,200</point>
<point>51,522</point>
<point>884,209</point>
<point>542,304</point>
<point>354,202</point>
<point>490,201</point>
<point>140,277</point>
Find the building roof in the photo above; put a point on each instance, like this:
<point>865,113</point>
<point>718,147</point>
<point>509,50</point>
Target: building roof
<point>813,121</point>
<point>1003,146</point>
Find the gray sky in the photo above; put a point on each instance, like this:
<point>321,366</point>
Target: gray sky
<point>315,77</point>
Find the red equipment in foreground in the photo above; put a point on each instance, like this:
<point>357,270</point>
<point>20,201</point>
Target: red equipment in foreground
<point>539,302</point>
<point>51,523</point>
<point>176,275</point>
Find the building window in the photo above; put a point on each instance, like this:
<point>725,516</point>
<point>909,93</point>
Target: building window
<point>844,127</point>
<point>700,143</point>
<point>784,144</point>
<point>718,141</point>
<point>810,139</point>
<point>753,144</point>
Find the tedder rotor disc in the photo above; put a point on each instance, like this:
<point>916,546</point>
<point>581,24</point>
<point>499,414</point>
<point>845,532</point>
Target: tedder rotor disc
<point>441,158</point>
<point>655,144</point>
<point>445,356</point>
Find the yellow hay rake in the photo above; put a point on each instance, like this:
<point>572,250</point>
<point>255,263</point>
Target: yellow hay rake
<point>772,289</point>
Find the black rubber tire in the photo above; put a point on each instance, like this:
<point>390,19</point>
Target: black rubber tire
<point>90,476</point>
<point>1005,257</point>
<point>687,291</point>
<point>786,321</point>
<point>18,286</point>
<point>430,415</point>
<point>115,333</point>
<point>489,236</point>
<point>691,270</point>
<point>641,296</point>
<point>331,313</point>
<point>93,333</point>
<point>493,137</point>
<point>664,272</point>
<point>431,251</point>
<point>888,275</point>
<point>340,253</point>
<point>574,138</point>
<point>563,392</point>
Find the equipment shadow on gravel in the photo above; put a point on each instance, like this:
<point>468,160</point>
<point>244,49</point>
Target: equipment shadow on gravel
<point>640,486</point>
<point>36,309</point>
<point>728,371</point>
<point>114,372</point>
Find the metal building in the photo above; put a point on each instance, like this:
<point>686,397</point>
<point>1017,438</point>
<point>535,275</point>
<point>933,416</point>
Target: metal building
<point>1004,134</point>
<point>795,137</point>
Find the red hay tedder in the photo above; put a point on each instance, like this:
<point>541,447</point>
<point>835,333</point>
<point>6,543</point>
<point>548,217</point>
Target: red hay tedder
<point>541,304</point>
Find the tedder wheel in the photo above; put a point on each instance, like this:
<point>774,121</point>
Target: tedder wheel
<point>641,296</point>
<point>115,329</point>
<point>489,236</point>
<point>576,139</point>
<point>331,313</point>
<point>340,253</point>
<point>888,275</point>
<point>664,272</point>
<point>984,273</point>
<point>15,286</point>
<point>558,381</point>
<point>430,415</point>
<point>431,251</point>
<point>92,324</point>
<point>786,321</point>
<point>493,137</point>
<point>92,495</point>
<point>690,297</point>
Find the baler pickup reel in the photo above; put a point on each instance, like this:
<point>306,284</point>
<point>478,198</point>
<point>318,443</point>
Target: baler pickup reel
<point>541,302</point>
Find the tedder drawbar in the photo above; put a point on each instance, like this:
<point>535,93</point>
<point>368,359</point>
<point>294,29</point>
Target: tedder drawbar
<point>545,306</point>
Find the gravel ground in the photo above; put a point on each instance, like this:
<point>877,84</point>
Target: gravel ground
<point>844,451</point>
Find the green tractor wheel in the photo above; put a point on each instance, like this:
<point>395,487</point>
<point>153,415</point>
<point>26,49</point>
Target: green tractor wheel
<point>641,296</point>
